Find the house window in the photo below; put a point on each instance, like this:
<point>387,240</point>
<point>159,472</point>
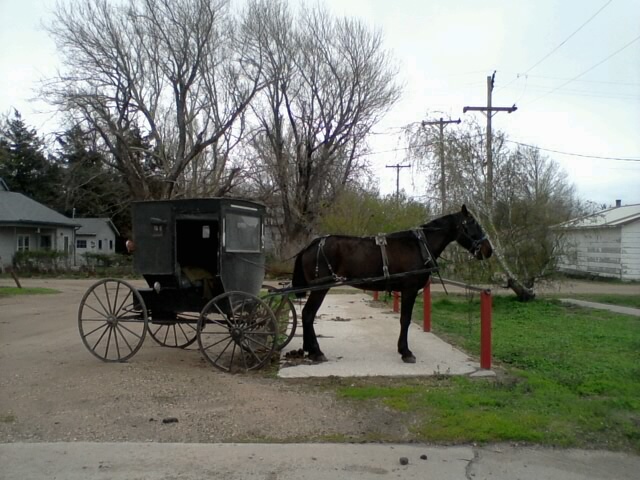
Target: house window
<point>110,244</point>
<point>99,244</point>
<point>23,243</point>
<point>45,242</point>
<point>81,244</point>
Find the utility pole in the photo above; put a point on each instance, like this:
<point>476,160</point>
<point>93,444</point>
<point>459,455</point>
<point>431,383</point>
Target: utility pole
<point>489,111</point>
<point>443,189</point>
<point>397,166</point>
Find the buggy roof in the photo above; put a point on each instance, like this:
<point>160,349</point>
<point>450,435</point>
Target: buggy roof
<point>205,205</point>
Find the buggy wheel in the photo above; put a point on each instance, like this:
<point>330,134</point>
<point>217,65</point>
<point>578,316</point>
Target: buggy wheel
<point>174,330</point>
<point>112,320</point>
<point>286,318</point>
<point>237,332</point>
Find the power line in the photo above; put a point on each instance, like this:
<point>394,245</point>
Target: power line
<point>631,84</point>
<point>598,157</point>
<point>587,70</point>
<point>560,45</point>
<point>568,38</point>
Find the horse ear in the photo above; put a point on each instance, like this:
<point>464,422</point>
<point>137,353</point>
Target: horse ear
<point>465,212</point>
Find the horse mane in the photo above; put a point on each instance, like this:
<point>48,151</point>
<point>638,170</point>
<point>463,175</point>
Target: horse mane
<point>440,222</point>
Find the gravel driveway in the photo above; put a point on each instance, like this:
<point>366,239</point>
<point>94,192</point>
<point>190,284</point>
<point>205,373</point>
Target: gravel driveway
<point>53,389</point>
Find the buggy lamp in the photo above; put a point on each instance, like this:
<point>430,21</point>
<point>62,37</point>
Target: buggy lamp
<point>157,287</point>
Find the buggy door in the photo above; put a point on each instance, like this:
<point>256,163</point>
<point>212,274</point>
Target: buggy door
<point>242,257</point>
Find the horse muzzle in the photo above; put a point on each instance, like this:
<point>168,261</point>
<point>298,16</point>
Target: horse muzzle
<point>482,249</point>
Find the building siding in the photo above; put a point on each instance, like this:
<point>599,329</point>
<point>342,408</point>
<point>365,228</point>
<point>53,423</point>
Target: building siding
<point>630,251</point>
<point>608,251</point>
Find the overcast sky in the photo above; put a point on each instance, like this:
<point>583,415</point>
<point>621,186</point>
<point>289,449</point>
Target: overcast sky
<point>573,73</point>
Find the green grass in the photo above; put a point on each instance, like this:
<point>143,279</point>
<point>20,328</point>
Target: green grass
<point>9,291</point>
<point>568,376</point>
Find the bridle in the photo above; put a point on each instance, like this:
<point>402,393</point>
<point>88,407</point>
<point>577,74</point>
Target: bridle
<point>463,229</point>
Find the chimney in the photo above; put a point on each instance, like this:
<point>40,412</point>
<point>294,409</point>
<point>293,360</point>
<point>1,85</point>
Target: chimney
<point>618,203</point>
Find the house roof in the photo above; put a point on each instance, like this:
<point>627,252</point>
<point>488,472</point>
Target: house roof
<point>91,226</point>
<point>16,208</point>
<point>611,217</point>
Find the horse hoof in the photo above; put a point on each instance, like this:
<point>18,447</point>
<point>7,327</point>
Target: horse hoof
<point>318,358</point>
<point>409,359</point>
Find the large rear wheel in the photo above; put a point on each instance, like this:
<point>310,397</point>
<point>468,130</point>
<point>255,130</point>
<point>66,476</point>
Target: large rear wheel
<point>112,320</point>
<point>237,332</point>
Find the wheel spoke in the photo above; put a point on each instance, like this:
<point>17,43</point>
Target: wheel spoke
<point>105,315</point>
<point>106,353</point>
<point>124,302</point>
<point>115,337</point>
<point>263,345</point>
<point>218,342</point>
<point>104,325</point>
<point>224,350</point>
<point>124,337</point>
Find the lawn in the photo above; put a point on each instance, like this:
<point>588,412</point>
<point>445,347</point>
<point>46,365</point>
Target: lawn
<point>567,376</point>
<point>10,291</point>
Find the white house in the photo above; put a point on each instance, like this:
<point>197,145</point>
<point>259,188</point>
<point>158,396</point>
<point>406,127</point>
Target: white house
<point>27,225</point>
<point>95,235</point>
<point>605,244</point>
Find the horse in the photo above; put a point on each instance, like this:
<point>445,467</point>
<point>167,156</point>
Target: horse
<point>400,261</point>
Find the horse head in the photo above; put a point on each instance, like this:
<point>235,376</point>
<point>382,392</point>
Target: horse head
<point>471,236</point>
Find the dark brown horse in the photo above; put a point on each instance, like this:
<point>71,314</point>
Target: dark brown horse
<point>381,263</point>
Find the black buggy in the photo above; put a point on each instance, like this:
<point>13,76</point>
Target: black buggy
<point>204,262</point>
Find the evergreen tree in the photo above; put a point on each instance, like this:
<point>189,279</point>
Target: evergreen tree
<point>24,165</point>
<point>91,188</point>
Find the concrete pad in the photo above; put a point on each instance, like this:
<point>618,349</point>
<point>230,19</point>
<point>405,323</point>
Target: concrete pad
<point>360,341</point>
<point>603,306</point>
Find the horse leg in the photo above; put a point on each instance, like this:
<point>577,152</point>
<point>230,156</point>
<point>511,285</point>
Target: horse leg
<point>310,341</point>
<point>408,299</point>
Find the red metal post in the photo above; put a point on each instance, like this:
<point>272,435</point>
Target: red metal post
<point>426,326</point>
<point>396,302</point>
<point>485,329</point>
<point>376,295</point>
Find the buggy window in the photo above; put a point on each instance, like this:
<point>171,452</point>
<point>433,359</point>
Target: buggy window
<point>243,233</point>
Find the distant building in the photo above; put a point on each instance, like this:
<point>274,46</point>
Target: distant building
<point>605,244</point>
<point>95,235</point>
<point>27,225</point>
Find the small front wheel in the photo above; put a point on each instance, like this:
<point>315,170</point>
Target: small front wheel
<point>237,332</point>
<point>112,320</point>
<point>286,318</point>
<point>173,330</point>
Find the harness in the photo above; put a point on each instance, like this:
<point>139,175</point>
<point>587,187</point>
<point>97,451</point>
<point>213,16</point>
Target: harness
<point>381,241</point>
<point>320,250</point>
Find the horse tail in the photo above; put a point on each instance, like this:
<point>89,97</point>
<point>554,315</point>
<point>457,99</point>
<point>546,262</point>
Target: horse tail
<point>298,280</point>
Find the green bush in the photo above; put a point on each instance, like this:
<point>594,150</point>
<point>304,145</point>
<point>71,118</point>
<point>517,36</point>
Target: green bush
<point>40,261</point>
<point>112,264</point>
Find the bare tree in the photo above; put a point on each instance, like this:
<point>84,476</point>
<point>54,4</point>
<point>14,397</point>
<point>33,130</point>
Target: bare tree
<point>531,194</point>
<point>163,82</point>
<point>330,81</point>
